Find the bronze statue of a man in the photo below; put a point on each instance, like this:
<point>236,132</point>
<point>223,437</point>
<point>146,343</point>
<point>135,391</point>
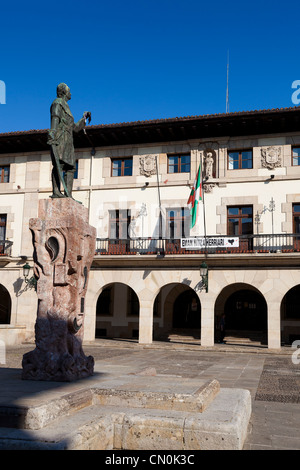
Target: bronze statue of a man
<point>60,138</point>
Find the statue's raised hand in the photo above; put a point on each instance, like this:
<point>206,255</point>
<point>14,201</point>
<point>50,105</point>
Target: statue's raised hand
<point>87,116</point>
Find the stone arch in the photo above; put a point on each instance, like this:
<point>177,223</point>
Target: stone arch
<point>246,311</point>
<point>290,315</point>
<point>5,306</point>
<point>177,309</point>
<point>98,280</point>
<point>117,311</point>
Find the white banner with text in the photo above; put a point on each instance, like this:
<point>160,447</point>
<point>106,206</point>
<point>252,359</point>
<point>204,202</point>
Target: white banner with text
<point>197,243</point>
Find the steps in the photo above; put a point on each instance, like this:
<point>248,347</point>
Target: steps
<point>122,411</point>
<point>222,426</point>
<point>178,335</point>
<point>246,337</point>
<point>234,337</point>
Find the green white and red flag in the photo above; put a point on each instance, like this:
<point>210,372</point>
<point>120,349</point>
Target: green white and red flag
<point>195,197</point>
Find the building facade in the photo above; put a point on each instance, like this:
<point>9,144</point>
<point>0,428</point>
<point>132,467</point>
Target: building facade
<point>136,178</point>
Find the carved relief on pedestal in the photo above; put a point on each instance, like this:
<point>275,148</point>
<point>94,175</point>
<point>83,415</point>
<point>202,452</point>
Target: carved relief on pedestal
<point>64,246</point>
<point>271,157</point>
<point>148,165</point>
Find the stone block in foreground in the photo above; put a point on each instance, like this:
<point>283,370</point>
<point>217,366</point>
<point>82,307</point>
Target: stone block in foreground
<point>92,418</point>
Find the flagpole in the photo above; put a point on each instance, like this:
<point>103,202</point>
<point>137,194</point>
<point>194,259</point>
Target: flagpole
<point>159,201</point>
<point>227,88</point>
<point>203,203</point>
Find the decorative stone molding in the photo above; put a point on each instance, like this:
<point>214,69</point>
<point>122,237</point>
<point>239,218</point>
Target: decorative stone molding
<point>148,165</point>
<point>271,157</point>
<point>208,187</point>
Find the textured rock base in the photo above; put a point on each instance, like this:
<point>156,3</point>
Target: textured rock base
<point>56,367</point>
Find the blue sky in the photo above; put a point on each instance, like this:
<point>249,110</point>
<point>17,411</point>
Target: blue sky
<point>138,60</point>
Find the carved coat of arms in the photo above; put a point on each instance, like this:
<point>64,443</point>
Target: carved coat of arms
<point>147,165</point>
<point>271,157</point>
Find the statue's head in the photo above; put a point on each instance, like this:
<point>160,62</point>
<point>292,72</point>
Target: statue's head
<point>63,91</point>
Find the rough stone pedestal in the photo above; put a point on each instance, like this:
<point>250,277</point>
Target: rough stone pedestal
<point>64,247</point>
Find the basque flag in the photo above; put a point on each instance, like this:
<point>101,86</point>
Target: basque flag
<point>195,197</point>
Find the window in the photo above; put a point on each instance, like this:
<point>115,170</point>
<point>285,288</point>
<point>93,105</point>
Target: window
<point>296,156</point>
<point>296,225</point>
<point>178,223</point>
<point>121,167</point>
<point>296,218</point>
<point>239,220</point>
<point>240,160</point>
<point>2,231</point>
<point>4,174</point>
<point>119,221</point>
<point>179,163</point>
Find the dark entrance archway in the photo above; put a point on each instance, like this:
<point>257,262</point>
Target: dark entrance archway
<point>246,310</point>
<point>290,316</point>
<point>117,312</point>
<point>5,306</point>
<point>186,311</point>
<point>246,314</point>
<point>177,313</point>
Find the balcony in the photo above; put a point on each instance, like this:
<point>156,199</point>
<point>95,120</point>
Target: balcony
<point>5,247</point>
<point>261,243</point>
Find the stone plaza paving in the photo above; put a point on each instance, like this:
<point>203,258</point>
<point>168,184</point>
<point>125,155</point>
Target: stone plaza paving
<point>271,377</point>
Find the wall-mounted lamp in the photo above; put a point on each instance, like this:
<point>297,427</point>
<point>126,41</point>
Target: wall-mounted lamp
<point>31,282</point>
<point>204,275</point>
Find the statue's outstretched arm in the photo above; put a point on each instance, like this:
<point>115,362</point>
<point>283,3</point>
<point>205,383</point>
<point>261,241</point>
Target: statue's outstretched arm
<point>78,126</point>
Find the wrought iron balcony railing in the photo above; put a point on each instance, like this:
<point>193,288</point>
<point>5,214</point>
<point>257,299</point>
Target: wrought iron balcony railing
<point>5,247</point>
<point>262,243</point>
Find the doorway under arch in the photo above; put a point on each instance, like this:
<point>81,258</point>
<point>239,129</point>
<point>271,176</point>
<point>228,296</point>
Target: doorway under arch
<point>290,316</point>
<point>245,310</point>
<point>117,312</point>
<point>5,306</point>
<point>186,311</point>
<point>177,313</point>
